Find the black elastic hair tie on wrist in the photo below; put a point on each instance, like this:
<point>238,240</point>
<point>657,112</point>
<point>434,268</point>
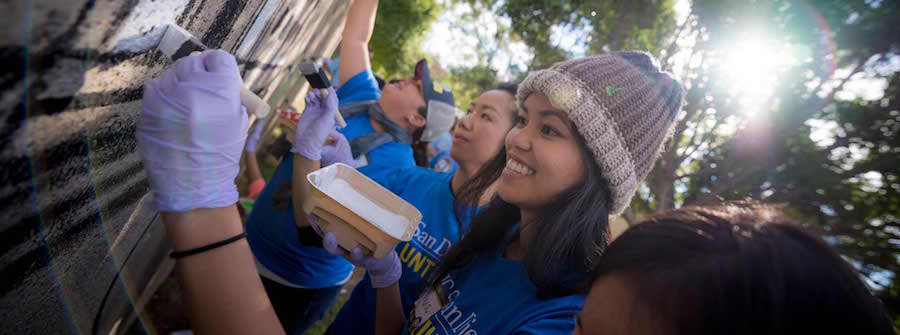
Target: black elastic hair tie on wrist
<point>208,247</point>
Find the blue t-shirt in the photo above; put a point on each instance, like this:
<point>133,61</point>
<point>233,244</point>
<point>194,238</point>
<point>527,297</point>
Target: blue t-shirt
<point>360,87</point>
<point>492,295</point>
<point>272,233</point>
<point>429,191</point>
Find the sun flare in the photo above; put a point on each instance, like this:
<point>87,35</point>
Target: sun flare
<point>752,66</point>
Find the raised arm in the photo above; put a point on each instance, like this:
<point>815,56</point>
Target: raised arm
<point>384,274</point>
<point>221,286</point>
<point>315,125</point>
<point>190,141</point>
<point>355,38</point>
<point>389,314</point>
<point>254,176</point>
<point>300,188</point>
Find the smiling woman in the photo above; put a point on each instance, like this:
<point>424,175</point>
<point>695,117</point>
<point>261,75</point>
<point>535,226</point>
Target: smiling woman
<point>529,181</point>
<point>589,130</point>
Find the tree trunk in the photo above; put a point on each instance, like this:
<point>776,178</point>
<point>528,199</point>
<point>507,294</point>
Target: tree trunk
<point>661,180</point>
<point>663,190</point>
<point>621,28</point>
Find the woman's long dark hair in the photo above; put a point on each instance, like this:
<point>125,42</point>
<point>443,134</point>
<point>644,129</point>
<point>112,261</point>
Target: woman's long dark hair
<point>564,243</point>
<point>739,268</point>
<point>470,193</point>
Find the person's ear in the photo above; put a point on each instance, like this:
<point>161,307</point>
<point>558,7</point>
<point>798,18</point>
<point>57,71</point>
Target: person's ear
<point>416,120</point>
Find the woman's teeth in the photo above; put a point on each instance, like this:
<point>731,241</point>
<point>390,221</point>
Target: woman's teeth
<point>518,168</point>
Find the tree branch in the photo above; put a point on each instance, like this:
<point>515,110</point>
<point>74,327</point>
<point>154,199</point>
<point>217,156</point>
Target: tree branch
<point>706,137</point>
<point>671,48</point>
<point>856,69</point>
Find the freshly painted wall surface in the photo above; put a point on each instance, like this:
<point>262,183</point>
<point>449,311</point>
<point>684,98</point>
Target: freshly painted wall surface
<point>79,247</point>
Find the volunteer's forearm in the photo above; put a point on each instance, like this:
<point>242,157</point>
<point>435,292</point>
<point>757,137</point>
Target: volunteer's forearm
<point>300,188</point>
<point>253,172</point>
<point>355,39</point>
<point>360,21</point>
<point>222,289</point>
<point>389,314</point>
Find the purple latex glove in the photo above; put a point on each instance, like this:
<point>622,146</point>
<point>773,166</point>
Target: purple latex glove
<point>382,272</point>
<point>191,132</point>
<point>315,123</point>
<point>253,138</point>
<point>337,150</point>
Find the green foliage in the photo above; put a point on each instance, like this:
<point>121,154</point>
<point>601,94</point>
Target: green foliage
<point>399,30</point>
<point>640,25</point>
<point>772,157</point>
<point>890,297</point>
<point>614,25</point>
<point>468,83</point>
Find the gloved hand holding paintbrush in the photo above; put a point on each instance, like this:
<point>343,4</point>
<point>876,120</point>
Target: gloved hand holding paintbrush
<point>177,43</point>
<point>190,133</point>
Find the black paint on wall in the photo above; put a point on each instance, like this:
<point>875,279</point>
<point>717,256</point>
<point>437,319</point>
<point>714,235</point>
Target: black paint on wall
<point>74,225</point>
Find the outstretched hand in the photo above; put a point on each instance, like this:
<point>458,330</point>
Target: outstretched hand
<point>383,272</point>
<point>336,150</point>
<point>315,123</point>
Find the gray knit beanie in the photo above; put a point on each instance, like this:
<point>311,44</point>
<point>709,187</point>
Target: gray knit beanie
<point>622,104</point>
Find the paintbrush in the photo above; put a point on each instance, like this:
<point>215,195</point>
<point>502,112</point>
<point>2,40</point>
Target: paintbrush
<point>317,79</point>
<point>176,43</point>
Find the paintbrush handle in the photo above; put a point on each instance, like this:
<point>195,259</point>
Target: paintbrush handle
<point>254,104</point>
<point>338,118</point>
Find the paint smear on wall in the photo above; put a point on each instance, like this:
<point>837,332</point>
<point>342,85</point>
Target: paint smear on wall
<point>258,24</point>
<point>144,26</point>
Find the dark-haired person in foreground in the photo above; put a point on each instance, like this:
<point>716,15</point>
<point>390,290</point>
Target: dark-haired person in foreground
<point>731,269</point>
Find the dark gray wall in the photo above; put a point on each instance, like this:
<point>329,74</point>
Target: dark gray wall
<point>75,230</point>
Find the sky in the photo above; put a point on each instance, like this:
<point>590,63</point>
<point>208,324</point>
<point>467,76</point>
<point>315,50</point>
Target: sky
<point>453,41</point>
<point>453,45</point>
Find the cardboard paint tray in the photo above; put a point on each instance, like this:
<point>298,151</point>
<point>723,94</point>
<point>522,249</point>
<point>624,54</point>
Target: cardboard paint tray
<point>352,229</point>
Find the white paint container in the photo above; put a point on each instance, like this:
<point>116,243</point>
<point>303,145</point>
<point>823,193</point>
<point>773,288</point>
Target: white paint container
<point>358,211</point>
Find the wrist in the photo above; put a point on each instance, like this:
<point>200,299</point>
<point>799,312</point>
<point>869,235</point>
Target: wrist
<point>387,275</point>
<point>313,154</point>
<point>199,227</point>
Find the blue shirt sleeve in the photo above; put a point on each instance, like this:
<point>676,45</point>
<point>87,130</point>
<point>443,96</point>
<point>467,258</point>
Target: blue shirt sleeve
<point>392,177</point>
<point>360,87</point>
<point>560,325</point>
